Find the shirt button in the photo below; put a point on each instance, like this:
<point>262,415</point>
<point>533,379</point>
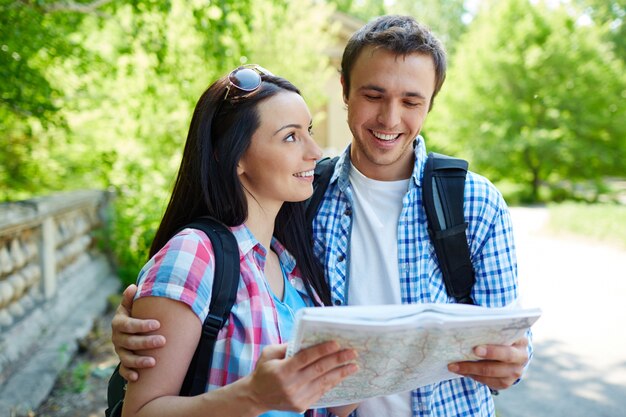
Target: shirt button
<point>337,302</point>
<point>348,212</point>
<point>340,258</point>
<point>293,281</point>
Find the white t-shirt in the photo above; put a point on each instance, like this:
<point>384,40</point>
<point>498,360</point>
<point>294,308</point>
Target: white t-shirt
<point>374,277</point>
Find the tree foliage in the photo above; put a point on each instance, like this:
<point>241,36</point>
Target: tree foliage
<point>361,9</point>
<point>612,15</point>
<point>112,100</point>
<point>444,17</point>
<point>535,97</point>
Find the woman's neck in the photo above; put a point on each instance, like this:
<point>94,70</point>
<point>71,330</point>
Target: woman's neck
<point>261,221</point>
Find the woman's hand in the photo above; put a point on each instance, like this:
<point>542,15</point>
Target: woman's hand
<point>295,383</point>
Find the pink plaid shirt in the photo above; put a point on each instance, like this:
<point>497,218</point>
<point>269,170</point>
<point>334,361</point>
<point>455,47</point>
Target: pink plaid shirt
<point>183,271</point>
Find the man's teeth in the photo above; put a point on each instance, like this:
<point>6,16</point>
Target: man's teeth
<point>305,173</point>
<point>383,136</point>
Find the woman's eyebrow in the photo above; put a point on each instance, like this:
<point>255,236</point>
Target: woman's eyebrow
<point>288,126</point>
<point>292,125</point>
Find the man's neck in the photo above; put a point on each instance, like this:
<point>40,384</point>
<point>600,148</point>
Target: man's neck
<point>400,170</point>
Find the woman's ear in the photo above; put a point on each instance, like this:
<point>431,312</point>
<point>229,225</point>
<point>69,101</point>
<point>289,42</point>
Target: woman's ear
<point>240,169</point>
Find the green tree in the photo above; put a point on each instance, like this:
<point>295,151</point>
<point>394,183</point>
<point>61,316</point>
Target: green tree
<point>534,97</point>
<point>361,9</point>
<point>120,88</point>
<point>33,37</point>
<point>612,14</point>
<point>444,17</point>
<point>300,49</point>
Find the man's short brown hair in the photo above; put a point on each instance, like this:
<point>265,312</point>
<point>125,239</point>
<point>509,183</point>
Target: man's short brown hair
<point>402,35</point>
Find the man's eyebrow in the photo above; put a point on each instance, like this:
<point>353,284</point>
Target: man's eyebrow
<point>381,90</point>
<point>372,87</point>
<point>414,94</point>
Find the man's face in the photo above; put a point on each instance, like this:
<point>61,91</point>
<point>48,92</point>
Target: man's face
<point>388,102</point>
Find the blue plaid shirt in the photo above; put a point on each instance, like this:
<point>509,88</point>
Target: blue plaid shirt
<point>490,238</point>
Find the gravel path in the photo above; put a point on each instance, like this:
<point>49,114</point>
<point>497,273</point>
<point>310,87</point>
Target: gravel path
<point>579,368</point>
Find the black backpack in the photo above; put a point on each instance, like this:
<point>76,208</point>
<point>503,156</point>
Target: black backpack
<point>443,186</point>
<point>223,295</point>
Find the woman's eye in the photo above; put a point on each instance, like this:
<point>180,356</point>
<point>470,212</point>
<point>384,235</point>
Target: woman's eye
<point>290,138</point>
<point>311,131</point>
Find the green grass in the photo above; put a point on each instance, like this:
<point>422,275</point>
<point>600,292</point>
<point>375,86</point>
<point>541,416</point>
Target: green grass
<point>601,222</point>
<point>75,380</point>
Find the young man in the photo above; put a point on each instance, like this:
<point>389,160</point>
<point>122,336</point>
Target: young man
<point>370,231</point>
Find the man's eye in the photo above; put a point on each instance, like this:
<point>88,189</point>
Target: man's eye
<point>369,97</point>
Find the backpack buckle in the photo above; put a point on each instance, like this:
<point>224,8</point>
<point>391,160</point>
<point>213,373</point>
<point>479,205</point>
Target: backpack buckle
<point>212,325</point>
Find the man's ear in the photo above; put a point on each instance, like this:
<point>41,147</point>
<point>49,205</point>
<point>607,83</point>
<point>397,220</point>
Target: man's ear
<point>343,91</point>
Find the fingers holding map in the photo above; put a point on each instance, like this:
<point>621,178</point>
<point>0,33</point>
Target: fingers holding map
<point>403,347</point>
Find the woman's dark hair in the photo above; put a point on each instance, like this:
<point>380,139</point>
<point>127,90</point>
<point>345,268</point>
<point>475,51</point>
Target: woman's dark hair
<point>208,185</point>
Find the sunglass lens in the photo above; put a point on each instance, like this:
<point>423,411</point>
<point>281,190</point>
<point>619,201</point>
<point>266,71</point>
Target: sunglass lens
<point>245,79</point>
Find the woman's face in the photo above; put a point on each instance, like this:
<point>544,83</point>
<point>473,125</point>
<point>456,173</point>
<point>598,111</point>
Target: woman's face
<point>279,163</point>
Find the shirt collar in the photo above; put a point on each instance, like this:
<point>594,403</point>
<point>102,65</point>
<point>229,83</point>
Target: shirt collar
<point>245,239</point>
<point>247,242</point>
<point>342,174</point>
<point>420,161</point>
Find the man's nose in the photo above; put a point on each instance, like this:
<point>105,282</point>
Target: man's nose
<point>389,115</point>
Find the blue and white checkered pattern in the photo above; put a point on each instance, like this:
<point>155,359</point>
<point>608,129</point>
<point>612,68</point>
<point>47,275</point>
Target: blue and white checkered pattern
<point>492,249</point>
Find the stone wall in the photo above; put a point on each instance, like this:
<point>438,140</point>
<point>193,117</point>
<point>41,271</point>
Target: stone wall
<point>54,280</point>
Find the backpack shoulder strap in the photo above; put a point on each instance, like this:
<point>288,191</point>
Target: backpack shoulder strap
<point>323,172</point>
<point>443,188</point>
<point>223,296</point>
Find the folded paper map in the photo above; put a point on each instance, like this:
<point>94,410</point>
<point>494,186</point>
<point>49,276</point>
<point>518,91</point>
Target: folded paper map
<point>403,347</point>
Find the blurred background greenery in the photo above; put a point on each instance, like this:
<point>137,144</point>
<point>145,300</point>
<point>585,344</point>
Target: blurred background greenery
<point>99,94</point>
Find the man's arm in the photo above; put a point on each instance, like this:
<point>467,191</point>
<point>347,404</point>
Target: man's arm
<point>127,337</point>
<point>495,264</point>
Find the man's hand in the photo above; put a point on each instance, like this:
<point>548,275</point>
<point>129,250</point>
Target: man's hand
<point>127,337</point>
<point>499,367</point>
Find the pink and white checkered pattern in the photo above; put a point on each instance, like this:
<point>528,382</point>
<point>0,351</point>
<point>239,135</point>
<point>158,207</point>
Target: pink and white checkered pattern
<point>183,270</point>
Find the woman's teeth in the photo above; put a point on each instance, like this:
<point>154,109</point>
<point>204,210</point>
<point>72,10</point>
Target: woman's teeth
<point>305,174</point>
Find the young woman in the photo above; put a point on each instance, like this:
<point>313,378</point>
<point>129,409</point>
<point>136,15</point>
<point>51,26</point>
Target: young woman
<point>248,161</point>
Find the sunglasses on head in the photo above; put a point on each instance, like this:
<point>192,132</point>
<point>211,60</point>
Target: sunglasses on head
<point>246,78</point>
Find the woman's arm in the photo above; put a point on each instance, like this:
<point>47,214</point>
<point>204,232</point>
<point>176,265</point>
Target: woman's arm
<point>277,383</point>
<point>157,392</point>
<point>129,335</point>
